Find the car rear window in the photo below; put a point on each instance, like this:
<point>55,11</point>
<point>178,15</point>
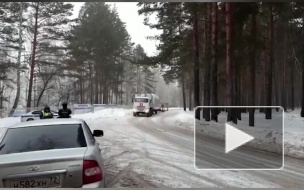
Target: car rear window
<point>35,138</point>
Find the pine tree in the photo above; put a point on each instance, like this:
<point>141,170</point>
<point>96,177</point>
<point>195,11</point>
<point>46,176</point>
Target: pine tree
<point>47,20</point>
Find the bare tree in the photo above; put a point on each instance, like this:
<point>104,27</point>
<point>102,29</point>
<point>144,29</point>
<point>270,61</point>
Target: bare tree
<point>18,65</point>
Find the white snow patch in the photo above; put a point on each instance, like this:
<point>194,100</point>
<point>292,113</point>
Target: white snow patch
<point>105,113</point>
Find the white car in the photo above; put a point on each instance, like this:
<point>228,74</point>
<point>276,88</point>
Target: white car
<point>35,115</point>
<point>51,153</point>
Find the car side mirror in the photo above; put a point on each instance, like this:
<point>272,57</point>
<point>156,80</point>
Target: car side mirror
<point>98,133</point>
<point>132,100</point>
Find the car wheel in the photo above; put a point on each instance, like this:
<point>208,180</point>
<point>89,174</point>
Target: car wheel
<point>30,119</point>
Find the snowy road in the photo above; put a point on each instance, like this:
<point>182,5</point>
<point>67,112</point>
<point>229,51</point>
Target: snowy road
<point>154,152</point>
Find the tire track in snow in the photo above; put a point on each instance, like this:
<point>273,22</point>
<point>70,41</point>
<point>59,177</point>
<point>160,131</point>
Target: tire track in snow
<point>146,155</point>
<point>119,176</point>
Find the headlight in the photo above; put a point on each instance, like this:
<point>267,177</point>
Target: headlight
<point>146,110</point>
<point>134,110</point>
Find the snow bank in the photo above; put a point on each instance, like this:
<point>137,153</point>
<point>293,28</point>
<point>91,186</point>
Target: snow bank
<point>294,134</point>
<point>267,137</point>
<point>104,113</point>
<point>184,119</point>
<point>264,134</point>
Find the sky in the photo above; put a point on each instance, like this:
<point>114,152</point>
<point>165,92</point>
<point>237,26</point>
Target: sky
<point>134,24</point>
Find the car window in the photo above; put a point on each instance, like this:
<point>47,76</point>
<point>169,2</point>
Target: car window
<point>36,112</point>
<point>35,138</point>
<point>92,139</point>
<point>18,113</point>
<point>141,100</point>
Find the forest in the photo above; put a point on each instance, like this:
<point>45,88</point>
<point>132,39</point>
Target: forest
<point>220,54</point>
<point>50,58</point>
<point>232,54</point>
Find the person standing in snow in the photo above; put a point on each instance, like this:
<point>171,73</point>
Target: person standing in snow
<point>46,113</point>
<point>65,112</point>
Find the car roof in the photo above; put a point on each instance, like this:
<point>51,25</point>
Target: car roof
<point>44,122</point>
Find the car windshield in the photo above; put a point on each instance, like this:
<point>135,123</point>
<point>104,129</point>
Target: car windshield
<point>36,138</point>
<point>18,113</point>
<point>141,100</point>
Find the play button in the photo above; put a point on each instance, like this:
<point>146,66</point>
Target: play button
<point>235,138</point>
<point>233,145</point>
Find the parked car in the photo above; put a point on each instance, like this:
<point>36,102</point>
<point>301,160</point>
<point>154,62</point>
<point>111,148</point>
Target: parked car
<point>18,113</point>
<point>51,153</point>
<point>35,115</point>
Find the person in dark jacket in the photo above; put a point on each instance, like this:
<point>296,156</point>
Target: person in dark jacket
<point>65,112</point>
<point>46,113</point>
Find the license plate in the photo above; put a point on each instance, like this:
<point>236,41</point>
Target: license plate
<point>53,181</point>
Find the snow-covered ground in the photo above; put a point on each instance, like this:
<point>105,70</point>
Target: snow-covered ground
<point>134,157</point>
<point>267,133</point>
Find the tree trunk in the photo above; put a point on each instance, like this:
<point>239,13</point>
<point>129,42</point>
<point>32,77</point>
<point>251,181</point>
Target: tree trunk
<point>80,89</point>
<point>214,111</point>
<point>252,71</point>
<point>91,82</point>
<point>39,97</point>
<point>184,93</point>
<point>239,95</point>
<point>18,60</point>
<point>138,89</point>
<point>302,72</point>
<point>101,86</point>
<point>1,95</point>
<point>302,97</point>
<point>283,90</point>
<point>263,82</point>
<point>190,94</point>
<point>292,85</point>
<point>121,93</point>
<point>234,96</point>
<point>105,92</point>
<point>270,70</point>
<point>111,91</point>
<point>29,97</point>
<point>229,79</point>
<point>116,93</point>
<point>96,86</point>
<point>276,85</point>
<point>208,61</point>
<point>44,88</point>
<point>196,64</point>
